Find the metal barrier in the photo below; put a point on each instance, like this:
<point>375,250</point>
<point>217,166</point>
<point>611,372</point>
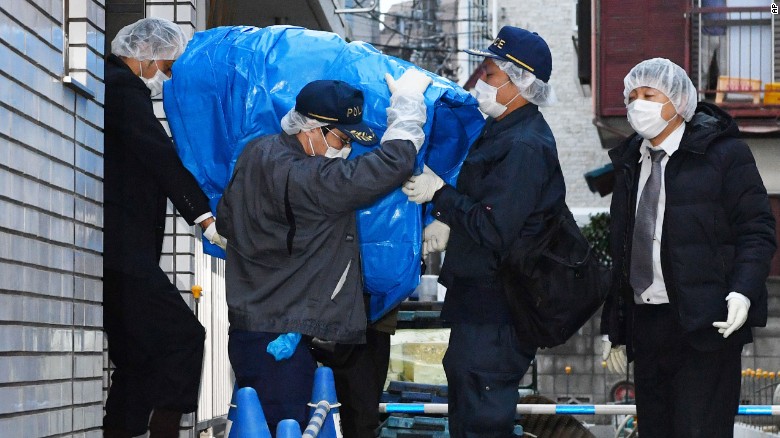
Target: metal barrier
<point>758,388</point>
<point>317,420</point>
<point>541,409</point>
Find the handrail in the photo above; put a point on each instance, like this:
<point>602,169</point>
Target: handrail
<point>551,409</point>
<point>373,6</point>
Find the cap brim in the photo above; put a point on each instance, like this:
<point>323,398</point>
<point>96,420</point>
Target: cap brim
<point>359,133</point>
<point>486,54</point>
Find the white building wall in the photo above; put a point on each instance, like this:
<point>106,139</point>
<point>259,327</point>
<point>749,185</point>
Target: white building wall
<point>53,366</point>
<point>51,240</point>
<point>579,148</point>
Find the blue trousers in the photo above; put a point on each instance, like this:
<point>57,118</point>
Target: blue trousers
<point>484,364</point>
<point>284,387</point>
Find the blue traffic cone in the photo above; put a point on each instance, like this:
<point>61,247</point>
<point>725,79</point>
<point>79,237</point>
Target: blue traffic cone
<point>324,389</point>
<point>250,420</point>
<point>288,429</point>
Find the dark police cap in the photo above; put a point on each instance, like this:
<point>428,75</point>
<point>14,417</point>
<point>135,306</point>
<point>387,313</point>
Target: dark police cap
<point>338,104</point>
<point>525,49</point>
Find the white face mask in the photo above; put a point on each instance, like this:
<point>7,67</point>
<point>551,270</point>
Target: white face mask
<point>311,146</point>
<point>333,152</point>
<point>646,119</point>
<point>155,84</point>
<point>486,96</point>
<point>337,153</point>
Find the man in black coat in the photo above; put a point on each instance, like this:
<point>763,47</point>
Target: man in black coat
<point>692,236</point>
<point>154,339</point>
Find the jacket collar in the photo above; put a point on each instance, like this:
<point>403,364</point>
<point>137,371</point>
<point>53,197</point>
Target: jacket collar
<point>495,127</point>
<point>117,61</point>
<point>670,145</point>
<point>708,124</point>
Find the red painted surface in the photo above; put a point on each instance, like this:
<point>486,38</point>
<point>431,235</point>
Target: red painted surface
<point>630,31</point>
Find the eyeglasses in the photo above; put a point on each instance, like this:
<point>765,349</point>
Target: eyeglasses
<point>345,142</point>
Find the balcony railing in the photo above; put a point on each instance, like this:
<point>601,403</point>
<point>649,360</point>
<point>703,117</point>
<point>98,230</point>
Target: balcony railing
<point>735,58</point>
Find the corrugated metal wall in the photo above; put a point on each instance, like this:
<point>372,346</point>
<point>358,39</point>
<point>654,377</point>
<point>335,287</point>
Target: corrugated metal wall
<point>217,382</point>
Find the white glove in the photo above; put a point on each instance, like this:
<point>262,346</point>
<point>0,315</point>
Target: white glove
<point>211,234</point>
<point>738,305</point>
<point>406,114</point>
<point>617,362</point>
<point>435,237</point>
<point>421,188</point>
<point>413,81</point>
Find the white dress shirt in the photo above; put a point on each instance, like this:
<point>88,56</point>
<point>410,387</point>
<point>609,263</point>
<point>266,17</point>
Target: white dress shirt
<point>656,292</point>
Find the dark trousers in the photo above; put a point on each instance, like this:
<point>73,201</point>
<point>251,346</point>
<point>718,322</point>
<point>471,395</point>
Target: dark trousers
<point>359,384</point>
<point>484,364</point>
<point>682,392</point>
<point>283,387</point>
<point>156,345</point>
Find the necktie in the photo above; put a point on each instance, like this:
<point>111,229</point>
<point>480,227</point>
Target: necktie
<point>641,276</point>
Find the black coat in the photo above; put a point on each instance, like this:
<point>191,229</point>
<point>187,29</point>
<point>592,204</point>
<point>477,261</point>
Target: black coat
<point>718,232</point>
<point>141,171</point>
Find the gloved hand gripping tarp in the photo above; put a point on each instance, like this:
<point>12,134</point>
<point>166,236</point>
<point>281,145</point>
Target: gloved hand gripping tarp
<point>233,84</point>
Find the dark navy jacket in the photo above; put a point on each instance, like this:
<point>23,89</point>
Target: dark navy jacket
<point>142,171</point>
<point>510,179</point>
<point>718,232</point>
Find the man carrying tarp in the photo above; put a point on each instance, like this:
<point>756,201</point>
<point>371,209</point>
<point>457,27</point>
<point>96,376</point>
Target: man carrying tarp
<point>293,260</point>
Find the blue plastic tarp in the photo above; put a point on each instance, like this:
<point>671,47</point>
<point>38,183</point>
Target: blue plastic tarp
<point>233,84</point>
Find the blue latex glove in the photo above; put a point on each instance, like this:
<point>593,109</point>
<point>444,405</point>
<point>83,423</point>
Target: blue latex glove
<point>284,346</point>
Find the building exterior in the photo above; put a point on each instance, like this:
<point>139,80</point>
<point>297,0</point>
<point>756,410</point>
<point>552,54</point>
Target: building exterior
<point>579,149</point>
<point>51,172</point>
<point>54,371</point>
<point>423,32</point>
<point>361,26</point>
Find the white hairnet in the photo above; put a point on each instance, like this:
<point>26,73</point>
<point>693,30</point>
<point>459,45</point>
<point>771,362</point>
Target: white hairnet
<point>294,122</point>
<point>532,89</point>
<point>149,39</point>
<point>668,78</point>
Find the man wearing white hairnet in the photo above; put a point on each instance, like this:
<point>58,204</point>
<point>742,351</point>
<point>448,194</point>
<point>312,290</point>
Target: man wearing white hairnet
<point>510,180</point>
<point>293,256</point>
<point>692,236</point>
<point>154,341</point>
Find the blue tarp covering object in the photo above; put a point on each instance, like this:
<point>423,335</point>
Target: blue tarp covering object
<point>233,84</point>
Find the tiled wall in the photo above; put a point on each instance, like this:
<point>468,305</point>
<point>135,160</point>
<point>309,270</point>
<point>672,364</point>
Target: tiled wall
<point>51,173</point>
<point>186,264</point>
<point>579,148</point>
<point>179,244</point>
